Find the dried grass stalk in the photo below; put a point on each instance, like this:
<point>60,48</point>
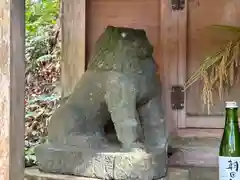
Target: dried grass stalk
<point>218,72</point>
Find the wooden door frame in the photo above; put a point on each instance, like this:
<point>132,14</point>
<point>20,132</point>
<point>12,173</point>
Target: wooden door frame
<point>173,43</point>
<point>168,69</point>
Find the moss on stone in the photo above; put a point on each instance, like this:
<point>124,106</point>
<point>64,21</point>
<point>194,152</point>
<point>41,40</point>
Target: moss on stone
<point>118,48</point>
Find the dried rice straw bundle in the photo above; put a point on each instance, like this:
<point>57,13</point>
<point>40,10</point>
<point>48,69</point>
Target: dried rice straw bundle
<point>218,72</point>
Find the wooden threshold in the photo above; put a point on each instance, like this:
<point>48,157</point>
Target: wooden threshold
<point>199,132</point>
<point>205,121</point>
<point>194,151</point>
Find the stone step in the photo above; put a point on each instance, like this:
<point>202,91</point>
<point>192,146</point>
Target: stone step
<point>192,173</point>
<point>174,173</point>
<point>201,152</point>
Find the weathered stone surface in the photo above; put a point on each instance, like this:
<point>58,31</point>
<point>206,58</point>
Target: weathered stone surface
<point>121,85</point>
<point>174,173</point>
<point>108,163</point>
<point>34,174</point>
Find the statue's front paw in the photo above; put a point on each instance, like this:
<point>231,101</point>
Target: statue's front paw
<point>135,147</point>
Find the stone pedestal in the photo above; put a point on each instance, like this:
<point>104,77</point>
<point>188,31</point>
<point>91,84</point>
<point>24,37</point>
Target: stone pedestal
<point>108,163</point>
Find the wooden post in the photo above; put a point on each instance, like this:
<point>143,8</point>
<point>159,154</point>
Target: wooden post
<point>169,40</point>
<point>12,89</point>
<point>73,22</point>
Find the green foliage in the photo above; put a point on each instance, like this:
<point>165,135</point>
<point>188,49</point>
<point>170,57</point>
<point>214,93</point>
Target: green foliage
<point>40,14</point>
<point>42,71</point>
<point>41,17</point>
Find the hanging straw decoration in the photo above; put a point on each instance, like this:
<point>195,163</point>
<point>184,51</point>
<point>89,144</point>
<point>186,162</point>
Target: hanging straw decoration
<point>218,72</point>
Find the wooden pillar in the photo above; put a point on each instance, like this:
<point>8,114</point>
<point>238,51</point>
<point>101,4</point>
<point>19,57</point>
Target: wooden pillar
<point>12,89</point>
<point>169,40</point>
<point>73,21</point>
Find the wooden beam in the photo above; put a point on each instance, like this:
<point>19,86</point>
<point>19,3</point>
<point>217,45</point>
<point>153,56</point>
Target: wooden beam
<point>12,89</point>
<point>73,21</point>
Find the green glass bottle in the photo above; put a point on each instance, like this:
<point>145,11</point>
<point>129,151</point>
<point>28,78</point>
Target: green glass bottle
<point>229,151</point>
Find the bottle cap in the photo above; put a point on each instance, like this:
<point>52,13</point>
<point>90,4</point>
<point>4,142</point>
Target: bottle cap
<point>231,104</point>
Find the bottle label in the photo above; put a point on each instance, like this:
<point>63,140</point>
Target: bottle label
<point>229,168</point>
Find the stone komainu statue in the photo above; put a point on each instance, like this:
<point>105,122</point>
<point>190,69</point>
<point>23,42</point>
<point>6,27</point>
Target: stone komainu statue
<point>121,85</point>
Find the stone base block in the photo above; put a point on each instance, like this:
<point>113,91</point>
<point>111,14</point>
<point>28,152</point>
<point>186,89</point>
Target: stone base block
<point>107,163</point>
<point>35,174</point>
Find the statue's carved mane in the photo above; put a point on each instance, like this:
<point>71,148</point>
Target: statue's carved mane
<point>121,49</point>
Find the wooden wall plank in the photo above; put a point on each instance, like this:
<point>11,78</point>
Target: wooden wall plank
<point>133,14</point>
<point>73,22</point>
<point>12,89</point>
